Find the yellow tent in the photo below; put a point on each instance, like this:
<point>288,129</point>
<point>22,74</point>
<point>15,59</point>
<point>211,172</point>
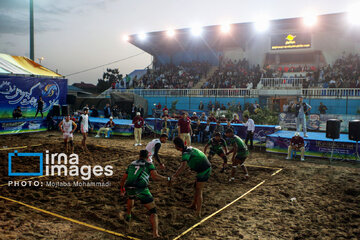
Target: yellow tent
<point>23,65</point>
<point>34,67</point>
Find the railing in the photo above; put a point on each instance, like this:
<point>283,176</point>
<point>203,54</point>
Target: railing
<point>237,92</point>
<point>331,92</point>
<point>234,92</point>
<point>282,82</point>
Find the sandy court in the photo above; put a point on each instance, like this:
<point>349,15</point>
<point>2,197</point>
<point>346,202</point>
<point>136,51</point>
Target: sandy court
<point>306,200</point>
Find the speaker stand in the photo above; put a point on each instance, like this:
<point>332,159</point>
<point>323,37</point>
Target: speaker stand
<point>332,150</point>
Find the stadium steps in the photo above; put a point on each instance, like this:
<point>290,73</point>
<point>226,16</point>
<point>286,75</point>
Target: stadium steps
<point>204,79</point>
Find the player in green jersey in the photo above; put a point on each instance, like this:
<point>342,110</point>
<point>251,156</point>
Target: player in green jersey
<point>136,181</point>
<point>217,146</point>
<point>198,162</point>
<point>240,153</point>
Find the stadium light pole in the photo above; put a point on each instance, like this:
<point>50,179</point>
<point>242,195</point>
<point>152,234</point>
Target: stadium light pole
<point>32,55</point>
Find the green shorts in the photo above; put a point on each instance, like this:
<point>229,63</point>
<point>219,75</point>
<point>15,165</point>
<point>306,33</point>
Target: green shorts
<point>203,176</point>
<point>217,151</point>
<point>143,194</point>
<point>241,156</point>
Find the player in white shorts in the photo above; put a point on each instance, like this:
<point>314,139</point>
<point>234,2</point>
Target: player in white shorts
<point>153,148</point>
<point>84,127</point>
<point>68,127</point>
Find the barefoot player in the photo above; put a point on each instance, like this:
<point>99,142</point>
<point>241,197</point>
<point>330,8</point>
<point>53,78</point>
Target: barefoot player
<point>240,153</point>
<point>136,181</point>
<point>153,148</point>
<point>67,127</point>
<point>84,127</point>
<point>198,162</point>
<point>217,146</point>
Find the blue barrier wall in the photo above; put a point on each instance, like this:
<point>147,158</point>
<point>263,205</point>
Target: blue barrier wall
<point>192,103</point>
<point>335,106</point>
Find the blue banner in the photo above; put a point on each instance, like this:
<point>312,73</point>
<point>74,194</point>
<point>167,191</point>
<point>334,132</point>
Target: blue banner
<point>22,126</point>
<point>25,91</point>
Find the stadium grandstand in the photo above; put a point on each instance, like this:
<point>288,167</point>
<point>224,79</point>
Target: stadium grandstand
<point>268,62</point>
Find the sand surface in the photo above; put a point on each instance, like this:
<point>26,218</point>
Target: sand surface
<point>306,200</point>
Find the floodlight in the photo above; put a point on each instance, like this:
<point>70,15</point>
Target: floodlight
<point>142,36</point>
<point>353,14</point>
<point>262,24</point>
<point>310,19</point>
<point>170,33</point>
<point>225,28</point>
<point>196,30</point>
<point>126,38</point>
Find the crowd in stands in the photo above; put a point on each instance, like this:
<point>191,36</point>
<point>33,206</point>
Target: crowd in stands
<point>235,74</point>
<point>344,73</point>
<point>169,76</point>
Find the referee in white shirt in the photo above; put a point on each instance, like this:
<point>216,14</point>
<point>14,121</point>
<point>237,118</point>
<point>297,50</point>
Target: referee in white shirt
<point>250,131</point>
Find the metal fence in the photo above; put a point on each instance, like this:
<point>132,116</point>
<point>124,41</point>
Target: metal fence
<point>331,92</point>
<point>282,82</point>
<point>236,92</point>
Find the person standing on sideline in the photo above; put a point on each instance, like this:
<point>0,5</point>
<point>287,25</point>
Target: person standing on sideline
<point>94,112</point>
<point>84,127</point>
<point>17,112</point>
<point>107,111</point>
<point>138,122</point>
<point>249,131</point>
<point>201,106</point>
<point>134,184</point>
<point>322,108</point>
<point>184,129</point>
<point>301,110</point>
<point>40,106</point>
<point>203,117</point>
<point>296,144</point>
<point>141,110</point>
<point>133,111</point>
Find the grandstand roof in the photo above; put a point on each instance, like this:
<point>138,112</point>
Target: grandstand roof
<point>158,43</point>
<point>23,65</point>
